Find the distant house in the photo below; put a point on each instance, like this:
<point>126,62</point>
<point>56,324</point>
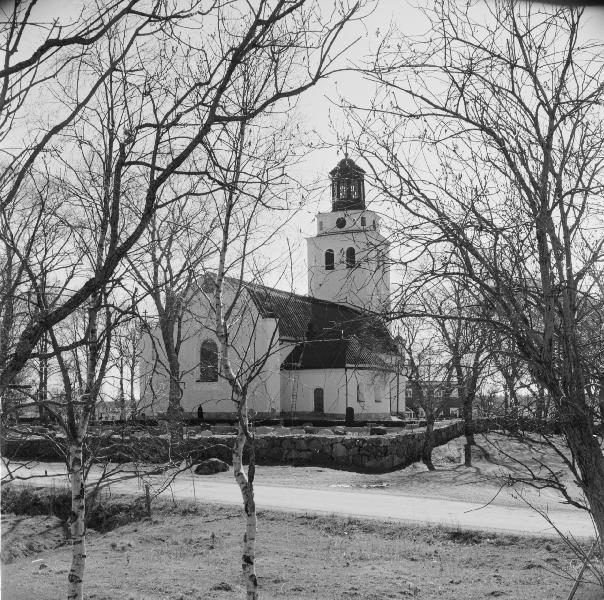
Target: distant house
<point>311,357</point>
<point>442,396</point>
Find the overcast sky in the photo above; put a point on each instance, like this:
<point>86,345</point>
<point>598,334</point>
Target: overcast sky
<point>317,109</point>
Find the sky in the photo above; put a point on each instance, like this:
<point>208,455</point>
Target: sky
<point>317,110</point>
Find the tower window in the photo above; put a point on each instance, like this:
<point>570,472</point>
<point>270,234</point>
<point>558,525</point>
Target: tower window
<point>334,190</point>
<point>354,189</point>
<point>208,361</point>
<point>318,401</point>
<point>350,257</point>
<point>363,221</point>
<point>329,260</point>
<point>343,187</point>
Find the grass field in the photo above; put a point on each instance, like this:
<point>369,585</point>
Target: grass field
<point>188,551</point>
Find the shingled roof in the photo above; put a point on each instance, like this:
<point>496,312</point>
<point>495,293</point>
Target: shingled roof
<point>332,354</point>
<point>303,317</point>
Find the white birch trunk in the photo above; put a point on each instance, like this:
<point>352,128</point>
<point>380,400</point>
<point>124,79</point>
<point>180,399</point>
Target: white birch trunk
<point>75,590</point>
<point>248,559</point>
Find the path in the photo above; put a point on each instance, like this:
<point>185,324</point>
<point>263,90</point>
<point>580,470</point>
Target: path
<point>372,504</point>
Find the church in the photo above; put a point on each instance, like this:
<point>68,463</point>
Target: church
<point>306,357</point>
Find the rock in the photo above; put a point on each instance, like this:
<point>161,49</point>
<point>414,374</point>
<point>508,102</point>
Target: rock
<point>223,586</point>
<point>205,433</point>
<point>378,431</point>
<point>339,451</point>
<point>211,466</point>
<point>412,588</point>
<point>42,566</point>
<point>325,432</point>
<point>339,430</point>
<point>264,430</point>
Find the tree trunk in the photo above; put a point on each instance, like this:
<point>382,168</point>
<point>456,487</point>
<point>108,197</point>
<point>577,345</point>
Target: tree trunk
<point>601,402</point>
<point>246,485</point>
<point>468,428</point>
<point>122,391</point>
<point>428,442</point>
<point>77,522</point>
<point>540,408</point>
<point>586,451</point>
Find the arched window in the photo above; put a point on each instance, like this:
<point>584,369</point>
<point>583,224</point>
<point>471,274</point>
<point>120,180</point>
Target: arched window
<point>318,400</point>
<point>208,361</point>
<point>329,260</point>
<point>350,257</point>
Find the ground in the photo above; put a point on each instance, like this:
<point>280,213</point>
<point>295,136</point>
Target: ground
<point>196,556</point>
<point>192,550</point>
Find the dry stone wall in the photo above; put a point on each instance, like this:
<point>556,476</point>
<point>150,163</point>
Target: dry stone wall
<point>358,453</point>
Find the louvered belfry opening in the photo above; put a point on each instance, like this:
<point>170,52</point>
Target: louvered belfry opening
<point>347,186</point>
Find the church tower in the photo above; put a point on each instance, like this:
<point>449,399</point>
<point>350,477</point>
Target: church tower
<point>348,258</point>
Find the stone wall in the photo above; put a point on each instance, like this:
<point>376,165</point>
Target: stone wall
<point>358,453</point>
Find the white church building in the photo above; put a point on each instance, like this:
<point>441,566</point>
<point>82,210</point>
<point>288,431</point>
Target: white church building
<point>310,357</point>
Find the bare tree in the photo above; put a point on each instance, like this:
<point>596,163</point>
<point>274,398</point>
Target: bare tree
<point>428,374</point>
<point>163,120</point>
<point>489,135</point>
<point>168,266</point>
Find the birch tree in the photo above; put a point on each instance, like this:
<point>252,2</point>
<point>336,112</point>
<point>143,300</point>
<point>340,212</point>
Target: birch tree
<point>488,135</point>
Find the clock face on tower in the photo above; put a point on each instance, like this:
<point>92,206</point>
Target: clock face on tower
<point>341,222</point>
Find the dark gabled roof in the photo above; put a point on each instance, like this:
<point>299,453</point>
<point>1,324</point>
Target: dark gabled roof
<point>332,354</point>
<point>303,317</point>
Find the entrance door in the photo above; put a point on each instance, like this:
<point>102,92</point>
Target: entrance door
<point>318,406</point>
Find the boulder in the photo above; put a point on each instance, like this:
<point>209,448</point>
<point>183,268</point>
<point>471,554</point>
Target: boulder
<point>325,432</point>
<point>378,431</point>
<point>339,430</point>
<point>211,466</point>
<point>262,430</point>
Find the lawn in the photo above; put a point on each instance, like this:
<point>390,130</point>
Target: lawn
<point>191,551</point>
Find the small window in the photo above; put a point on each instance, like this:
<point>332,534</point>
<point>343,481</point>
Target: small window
<point>343,187</point>
<point>354,189</point>
<point>350,258</point>
<point>320,225</point>
<point>318,401</point>
<point>208,361</point>
<point>363,221</point>
<point>329,260</point>
<point>360,394</point>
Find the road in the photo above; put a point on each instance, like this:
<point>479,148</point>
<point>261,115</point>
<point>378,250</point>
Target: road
<point>520,519</point>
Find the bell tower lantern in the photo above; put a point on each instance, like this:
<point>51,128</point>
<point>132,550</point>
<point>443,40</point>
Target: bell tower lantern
<point>347,186</point>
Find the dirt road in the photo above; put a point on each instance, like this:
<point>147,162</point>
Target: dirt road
<point>501,515</point>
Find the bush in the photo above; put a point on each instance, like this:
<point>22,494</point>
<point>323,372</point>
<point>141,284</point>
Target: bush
<point>28,501</point>
<point>100,516</point>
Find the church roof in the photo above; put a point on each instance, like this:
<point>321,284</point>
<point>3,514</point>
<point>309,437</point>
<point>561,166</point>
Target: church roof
<point>332,354</point>
<point>304,317</point>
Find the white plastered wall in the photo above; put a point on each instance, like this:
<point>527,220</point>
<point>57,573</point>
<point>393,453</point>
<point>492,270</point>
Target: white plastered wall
<point>253,339</point>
